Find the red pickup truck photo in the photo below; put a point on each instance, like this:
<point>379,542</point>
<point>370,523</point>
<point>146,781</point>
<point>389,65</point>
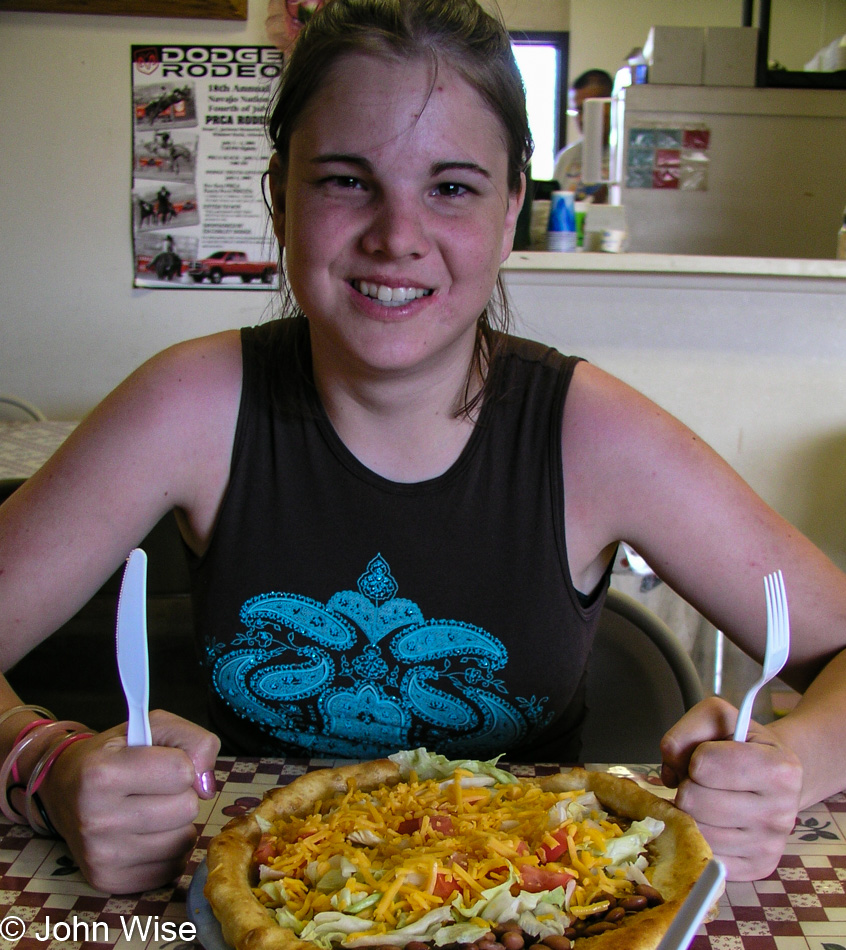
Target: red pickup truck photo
<point>231,264</point>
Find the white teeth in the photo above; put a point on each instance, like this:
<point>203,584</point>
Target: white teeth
<point>390,295</point>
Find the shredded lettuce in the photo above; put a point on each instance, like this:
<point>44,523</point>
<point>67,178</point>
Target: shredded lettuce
<point>285,918</point>
<point>627,848</point>
<point>459,933</point>
<point>430,765</point>
<point>274,889</point>
<point>423,929</point>
<point>498,905</point>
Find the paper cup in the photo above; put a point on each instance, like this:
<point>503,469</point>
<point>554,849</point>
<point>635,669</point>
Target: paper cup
<point>562,211</point>
<point>561,229</point>
<point>561,240</point>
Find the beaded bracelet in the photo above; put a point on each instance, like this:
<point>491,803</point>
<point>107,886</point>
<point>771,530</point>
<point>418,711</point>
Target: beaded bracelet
<point>39,773</point>
<point>39,732</point>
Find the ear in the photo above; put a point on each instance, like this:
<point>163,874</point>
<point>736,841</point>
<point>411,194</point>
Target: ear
<point>512,212</point>
<point>277,179</point>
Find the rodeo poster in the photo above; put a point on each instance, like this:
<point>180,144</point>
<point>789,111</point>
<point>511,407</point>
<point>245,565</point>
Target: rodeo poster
<point>199,152</point>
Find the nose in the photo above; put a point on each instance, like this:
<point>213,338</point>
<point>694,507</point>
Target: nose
<point>396,228</point>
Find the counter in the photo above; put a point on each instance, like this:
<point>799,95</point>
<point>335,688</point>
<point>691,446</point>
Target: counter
<point>549,261</point>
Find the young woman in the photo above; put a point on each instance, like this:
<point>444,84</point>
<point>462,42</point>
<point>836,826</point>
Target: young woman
<point>401,520</point>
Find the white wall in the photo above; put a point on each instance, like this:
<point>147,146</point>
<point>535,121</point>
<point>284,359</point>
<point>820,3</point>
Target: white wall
<point>71,326</point>
<point>755,365</point>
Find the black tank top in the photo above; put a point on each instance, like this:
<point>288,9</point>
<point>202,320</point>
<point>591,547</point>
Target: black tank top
<point>344,615</point>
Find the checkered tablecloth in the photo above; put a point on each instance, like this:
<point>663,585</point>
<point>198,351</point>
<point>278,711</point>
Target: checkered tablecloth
<point>801,906</point>
<point>26,446</point>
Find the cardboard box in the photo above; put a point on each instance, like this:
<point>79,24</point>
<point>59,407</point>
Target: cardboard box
<point>730,54</point>
<point>675,54</point>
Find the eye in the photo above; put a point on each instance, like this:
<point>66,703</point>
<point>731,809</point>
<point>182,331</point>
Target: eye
<point>343,182</point>
<point>451,189</point>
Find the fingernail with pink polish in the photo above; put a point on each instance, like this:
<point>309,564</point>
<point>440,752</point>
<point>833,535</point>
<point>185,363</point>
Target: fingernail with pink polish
<point>208,785</point>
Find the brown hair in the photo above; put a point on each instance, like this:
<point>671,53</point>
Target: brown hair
<point>458,33</point>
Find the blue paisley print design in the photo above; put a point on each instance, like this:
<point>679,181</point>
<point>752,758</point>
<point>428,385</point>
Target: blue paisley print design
<point>366,674</point>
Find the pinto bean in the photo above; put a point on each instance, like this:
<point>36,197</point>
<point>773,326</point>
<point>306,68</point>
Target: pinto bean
<point>615,915</point>
<point>556,942</point>
<point>513,940</point>
<point>653,897</point>
<point>634,902</point>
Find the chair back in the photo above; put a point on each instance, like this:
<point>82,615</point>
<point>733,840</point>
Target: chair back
<point>640,680</point>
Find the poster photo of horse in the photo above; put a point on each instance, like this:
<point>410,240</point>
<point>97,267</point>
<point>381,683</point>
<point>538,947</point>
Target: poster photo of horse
<point>165,105</point>
<point>169,205</point>
<point>166,156</point>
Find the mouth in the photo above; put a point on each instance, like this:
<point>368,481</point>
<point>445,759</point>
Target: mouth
<point>390,296</point>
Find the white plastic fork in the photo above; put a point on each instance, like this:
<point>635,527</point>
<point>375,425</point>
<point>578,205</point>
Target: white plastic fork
<point>705,893</point>
<point>778,646</point>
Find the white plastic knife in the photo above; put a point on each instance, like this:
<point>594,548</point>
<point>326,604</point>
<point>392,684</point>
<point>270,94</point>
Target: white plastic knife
<point>132,656</point>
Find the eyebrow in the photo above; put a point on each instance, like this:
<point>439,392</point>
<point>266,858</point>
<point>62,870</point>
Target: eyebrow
<point>438,168</point>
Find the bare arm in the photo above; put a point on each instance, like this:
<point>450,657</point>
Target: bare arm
<point>162,440</point>
<point>634,473</point>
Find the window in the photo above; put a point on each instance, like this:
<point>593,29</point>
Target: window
<point>542,61</point>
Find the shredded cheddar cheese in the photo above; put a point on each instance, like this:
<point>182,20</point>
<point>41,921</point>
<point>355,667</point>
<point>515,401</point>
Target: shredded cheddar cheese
<point>393,855</point>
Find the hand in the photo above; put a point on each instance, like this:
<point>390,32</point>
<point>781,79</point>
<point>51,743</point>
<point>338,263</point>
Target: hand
<point>743,795</point>
<point>127,813</point>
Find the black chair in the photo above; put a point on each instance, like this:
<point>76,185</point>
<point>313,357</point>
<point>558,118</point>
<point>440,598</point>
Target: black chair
<point>74,671</point>
<point>640,681</point>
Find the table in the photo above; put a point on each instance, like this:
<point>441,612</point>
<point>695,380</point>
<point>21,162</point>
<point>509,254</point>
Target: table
<point>26,446</point>
<point>802,906</point>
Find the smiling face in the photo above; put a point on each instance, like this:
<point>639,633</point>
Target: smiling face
<point>395,214</point>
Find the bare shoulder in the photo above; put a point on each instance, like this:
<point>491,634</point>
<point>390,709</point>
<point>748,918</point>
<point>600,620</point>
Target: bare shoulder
<point>614,434</point>
<point>635,473</point>
<point>183,405</point>
<point>191,372</point>
<point>161,441</point>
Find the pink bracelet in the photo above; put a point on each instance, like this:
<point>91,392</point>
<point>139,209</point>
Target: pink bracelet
<point>42,769</point>
<point>39,732</point>
<point>39,773</point>
<point>26,729</point>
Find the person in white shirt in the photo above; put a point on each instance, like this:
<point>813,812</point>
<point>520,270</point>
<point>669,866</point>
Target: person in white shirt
<point>592,84</point>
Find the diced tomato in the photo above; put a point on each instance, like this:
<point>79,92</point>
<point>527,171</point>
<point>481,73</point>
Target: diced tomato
<point>265,850</point>
<point>549,853</point>
<point>440,824</point>
<point>534,879</point>
<point>522,848</point>
<point>445,886</point>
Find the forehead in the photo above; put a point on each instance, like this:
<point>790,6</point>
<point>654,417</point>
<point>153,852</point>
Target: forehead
<point>371,101</point>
